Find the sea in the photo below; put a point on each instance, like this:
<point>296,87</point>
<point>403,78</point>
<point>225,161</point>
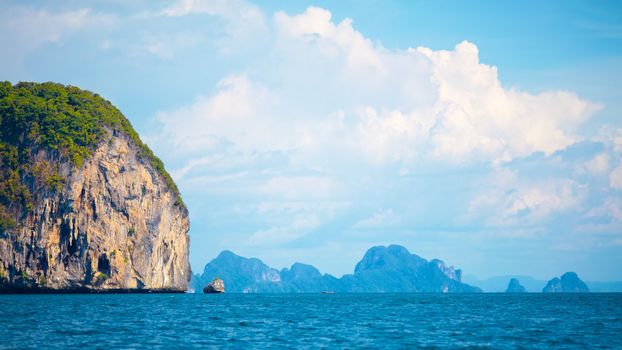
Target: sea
<point>311,321</point>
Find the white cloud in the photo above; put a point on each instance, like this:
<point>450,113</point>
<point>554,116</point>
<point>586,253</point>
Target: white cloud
<point>244,22</point>
<point>340,41</point>
<point>615,178</point>
<point>23,30</point>
<point>510,200</point>
<point>539,202</point>
<point>612,135</point>
<point>233,9</point>
<point>165,47</point>
<point>291,220</point>
<point>349,115</point>
<point>481,116</point>
<point>610,208</point>
<point>297,187</point>
<point>27,28</point>
<point>381,218</point>
<point>386,105</point>
<point>598,165</point>
<point>237,113</point>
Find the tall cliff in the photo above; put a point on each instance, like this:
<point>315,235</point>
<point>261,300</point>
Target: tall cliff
<point>84,204</point>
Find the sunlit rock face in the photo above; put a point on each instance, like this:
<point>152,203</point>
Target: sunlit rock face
<point>114,224</point>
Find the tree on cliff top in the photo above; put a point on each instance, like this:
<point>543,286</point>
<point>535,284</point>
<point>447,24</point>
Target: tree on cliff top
<point>66,121</point>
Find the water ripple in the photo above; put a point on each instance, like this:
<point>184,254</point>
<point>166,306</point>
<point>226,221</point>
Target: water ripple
<point>497,321</point>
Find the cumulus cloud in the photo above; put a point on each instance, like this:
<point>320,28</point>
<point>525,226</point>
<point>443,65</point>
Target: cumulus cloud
<point>244,22</point>
<point>238,113</point>
<point>599,164</point>
<point>511,200</point>
<point>351,117</point>
<point>479,115</point>
<point>541,201</point>
<point>385,105</point>
<point>610,209</point>
<point>24,29</point>
<point>615,178</point>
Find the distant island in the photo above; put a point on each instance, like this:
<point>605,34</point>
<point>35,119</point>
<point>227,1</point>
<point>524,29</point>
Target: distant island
<point>382,269</point>
<point>499,284</point>
<point>515,287</point>
<point>85,206</point>
<point>568,283</point>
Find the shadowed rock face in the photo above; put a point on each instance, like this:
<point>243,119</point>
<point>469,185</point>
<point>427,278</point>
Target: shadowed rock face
<point>568,283</point>
<point>114,224</point>
<point>515,287</point>
<point>387,258</point>
<point>300,271</point>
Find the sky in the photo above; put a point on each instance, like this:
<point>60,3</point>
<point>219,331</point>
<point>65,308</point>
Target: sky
<point>484,133</point>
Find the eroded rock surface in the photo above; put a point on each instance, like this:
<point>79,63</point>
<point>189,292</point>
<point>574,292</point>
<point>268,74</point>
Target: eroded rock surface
<point>114,224</point>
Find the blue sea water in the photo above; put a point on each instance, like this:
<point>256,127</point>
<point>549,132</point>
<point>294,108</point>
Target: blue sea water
<point>128,321</point>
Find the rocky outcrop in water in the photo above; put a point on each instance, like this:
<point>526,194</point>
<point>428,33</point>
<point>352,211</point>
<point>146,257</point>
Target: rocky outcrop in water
<point>382,269</point>
<point>395,269</point>
<point>112,219</point>
<point>515,287</point>
<point>568,283</point>
<point>215,286</point>
<point>243,275</point>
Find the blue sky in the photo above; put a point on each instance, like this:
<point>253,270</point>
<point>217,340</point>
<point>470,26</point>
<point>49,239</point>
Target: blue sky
<point>485,133</point>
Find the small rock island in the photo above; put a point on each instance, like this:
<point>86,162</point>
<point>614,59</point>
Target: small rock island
<point>216,286</point>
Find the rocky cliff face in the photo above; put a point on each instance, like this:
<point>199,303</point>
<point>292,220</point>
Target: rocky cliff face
<point>113,222</point>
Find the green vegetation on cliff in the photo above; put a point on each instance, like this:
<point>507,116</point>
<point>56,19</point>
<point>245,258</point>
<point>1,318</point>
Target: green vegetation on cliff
<point>64,120</point>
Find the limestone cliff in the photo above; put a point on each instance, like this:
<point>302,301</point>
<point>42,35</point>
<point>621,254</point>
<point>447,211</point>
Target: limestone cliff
<point>112,222</point>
